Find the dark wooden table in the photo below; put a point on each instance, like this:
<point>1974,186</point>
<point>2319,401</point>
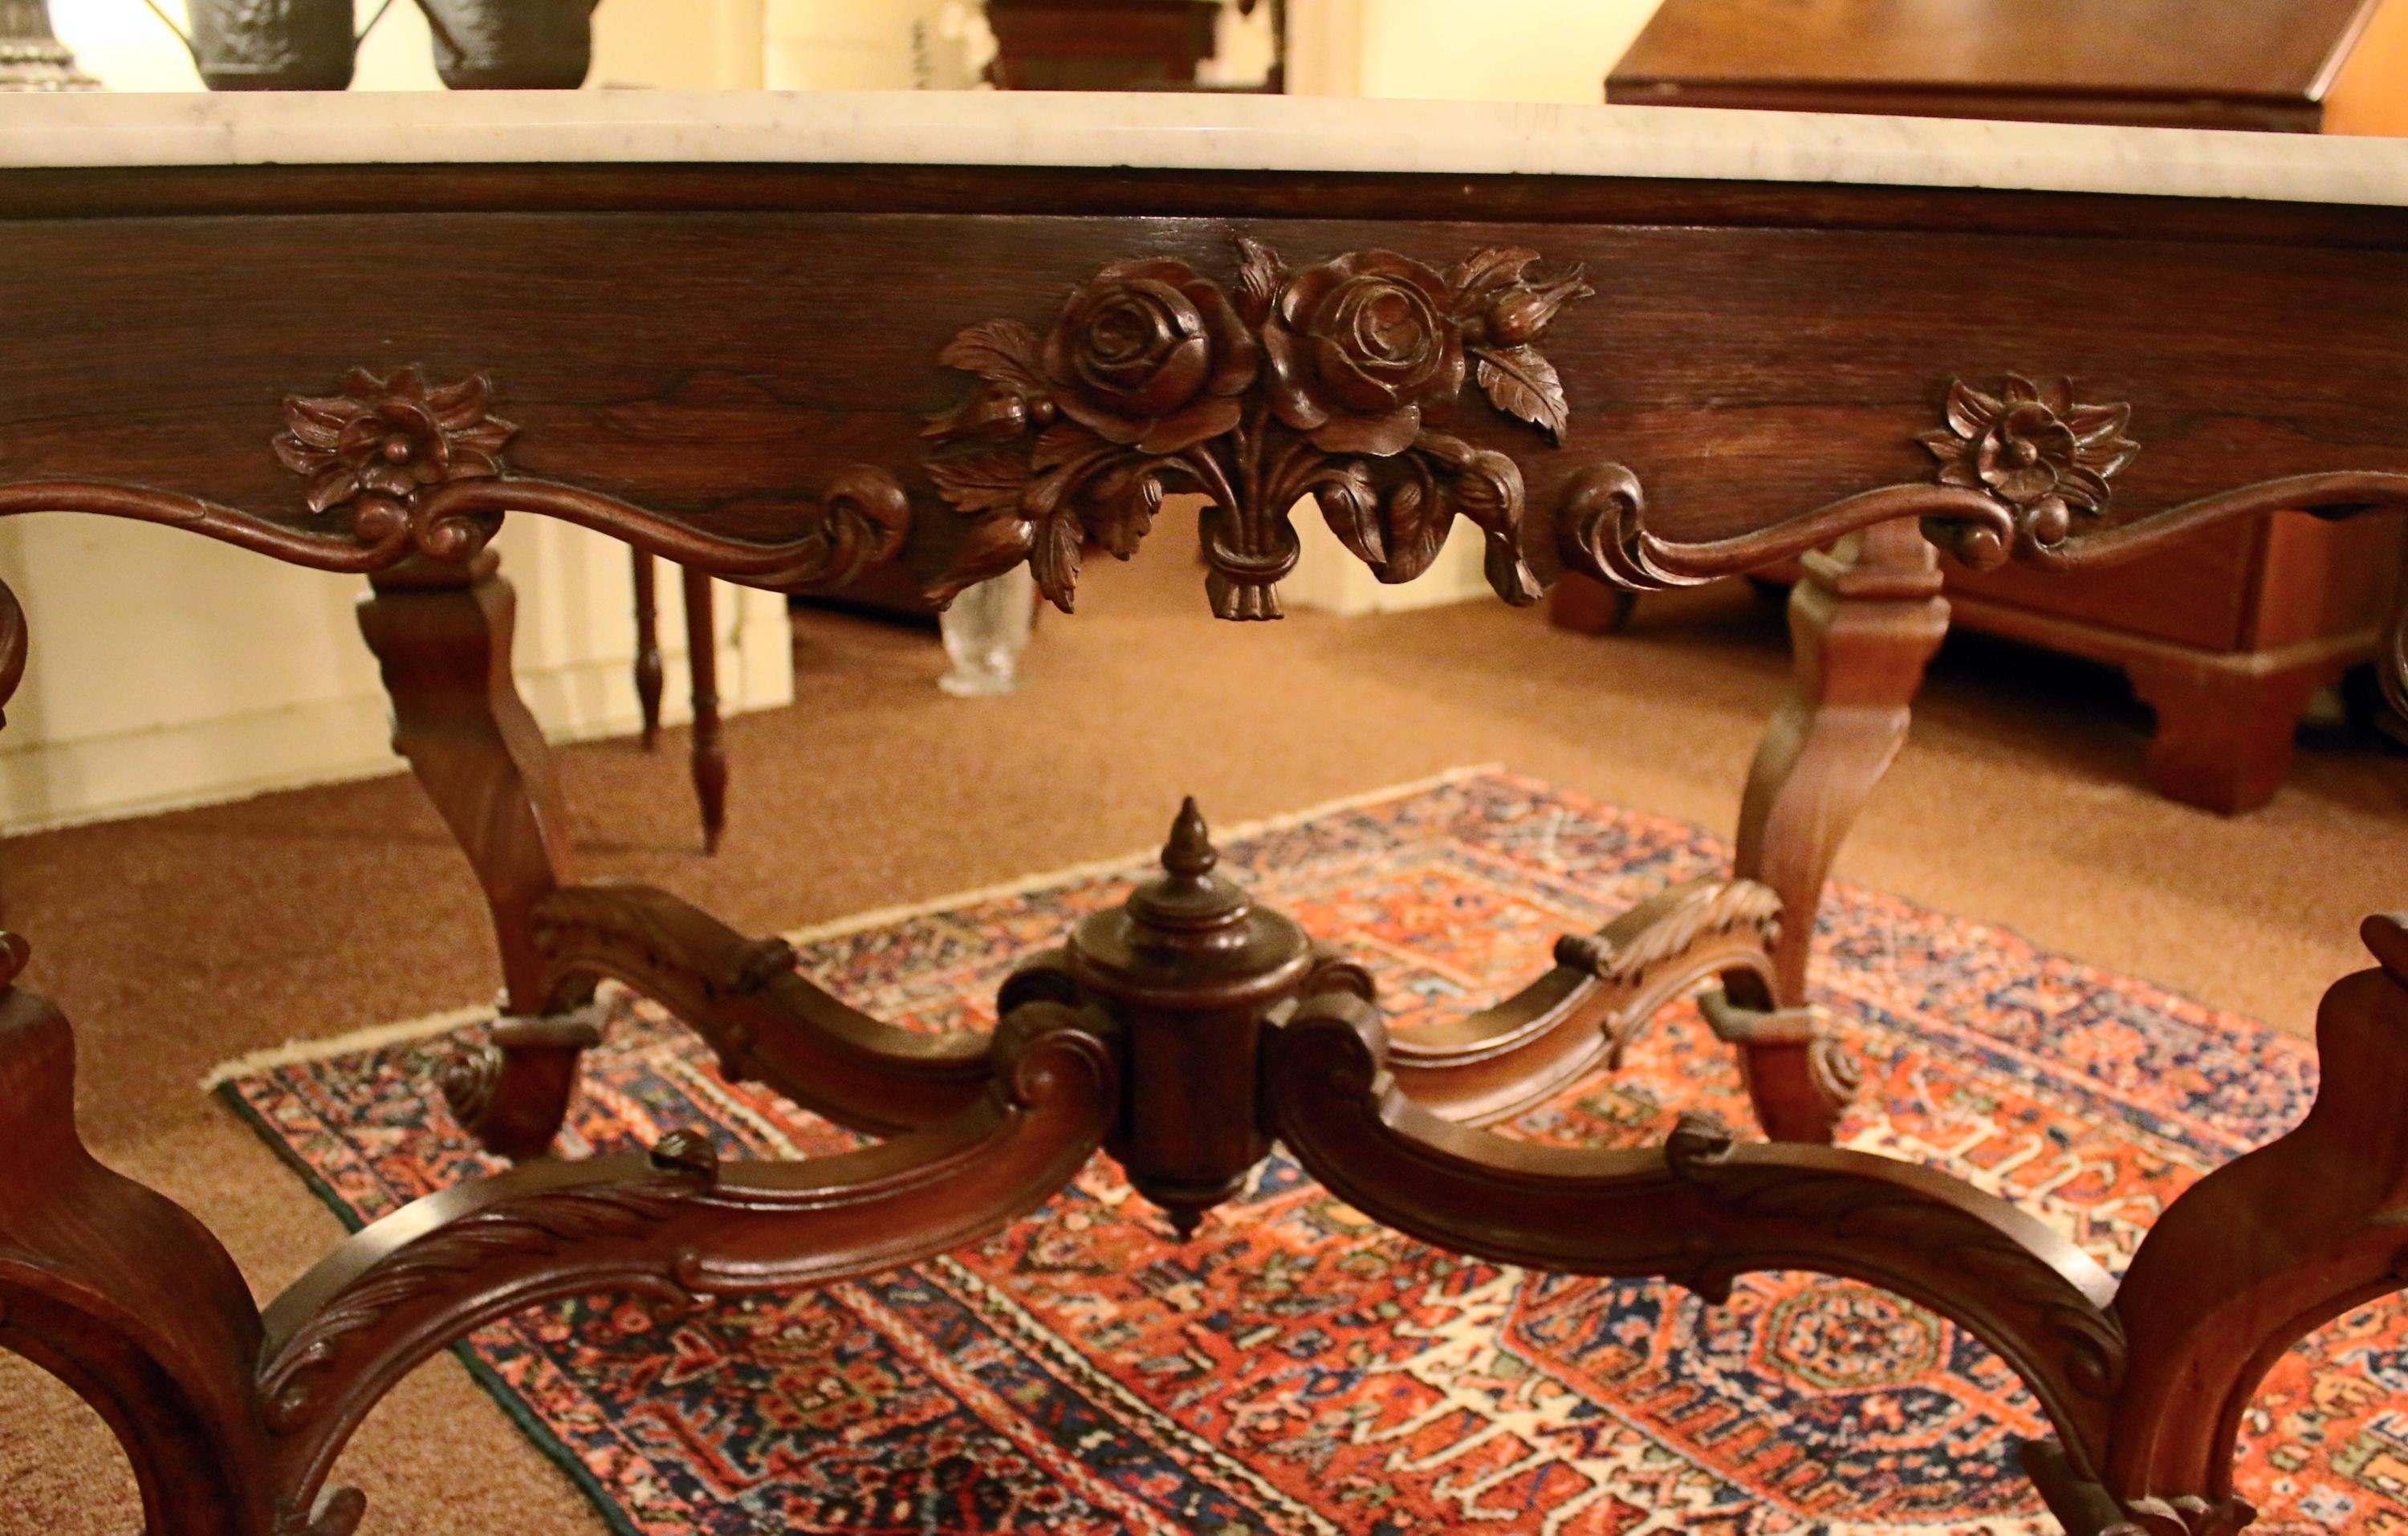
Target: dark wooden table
<point>794,342</point>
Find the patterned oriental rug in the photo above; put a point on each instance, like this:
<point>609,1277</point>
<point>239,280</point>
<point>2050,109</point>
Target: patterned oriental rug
<point>1295,1369</point>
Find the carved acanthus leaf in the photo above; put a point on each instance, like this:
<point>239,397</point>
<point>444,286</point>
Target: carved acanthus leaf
<point>1693,912</point>
<point>426,1272</point>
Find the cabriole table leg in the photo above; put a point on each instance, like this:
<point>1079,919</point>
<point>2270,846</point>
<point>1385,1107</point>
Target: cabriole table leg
<point>121,1294</point>
<point>1864,621</point>
<point>442,636</point>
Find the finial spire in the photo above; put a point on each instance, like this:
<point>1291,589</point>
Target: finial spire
<point>1190,855</point>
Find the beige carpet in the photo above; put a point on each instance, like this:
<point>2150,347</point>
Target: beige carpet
<point>177,941</point>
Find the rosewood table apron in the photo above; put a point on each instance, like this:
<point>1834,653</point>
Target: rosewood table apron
<point>735,337</point>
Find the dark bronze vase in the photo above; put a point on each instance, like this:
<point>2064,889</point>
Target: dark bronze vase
<point>512,45</point>
<point>273,45</point>
<point>32,58</point>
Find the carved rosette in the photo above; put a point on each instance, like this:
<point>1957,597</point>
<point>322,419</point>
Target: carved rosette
<point>374,450</point>
<point>2033,447</point>
<point>1331,381</point>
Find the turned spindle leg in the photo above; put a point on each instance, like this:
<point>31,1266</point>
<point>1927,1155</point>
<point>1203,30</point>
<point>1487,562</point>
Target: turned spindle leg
<point>647,643</point>
<point>442,636</point>
<point>1864,621</point>
<point>702,659</point>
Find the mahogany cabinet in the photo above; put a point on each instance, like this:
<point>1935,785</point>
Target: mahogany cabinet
<point>2227,634</point>
<point>1100,45</point>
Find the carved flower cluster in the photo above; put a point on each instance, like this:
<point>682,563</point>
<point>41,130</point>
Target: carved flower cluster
<point>2033,447</point>
<point>389,439</point>
<point>1153,373</point>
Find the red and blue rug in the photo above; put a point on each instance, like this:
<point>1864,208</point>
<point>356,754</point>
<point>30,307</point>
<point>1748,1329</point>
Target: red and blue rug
<point>1296,1371</point>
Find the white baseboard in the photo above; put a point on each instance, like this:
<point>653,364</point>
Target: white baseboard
<point>48,784</point>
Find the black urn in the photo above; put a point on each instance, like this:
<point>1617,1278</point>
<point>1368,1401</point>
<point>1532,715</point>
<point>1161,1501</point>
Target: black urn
<point>273,45</point>
<point>512,45</point>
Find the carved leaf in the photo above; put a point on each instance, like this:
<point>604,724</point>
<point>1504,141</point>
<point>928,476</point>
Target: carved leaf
<point>1053,560</point>
<point>1971,412</point>
<point>1351,507</point>
<point>1519,382</point>
<point>2095,424</point>
<point>1123,503</point>
<point>1493,268</point>
<point>1260,272</point>
<point>434,1270</point>
<point>990,549</point>
<point>1418,522</point>
<point>988,481</point>
<point>1002,352</point>
<point>1062,442</point>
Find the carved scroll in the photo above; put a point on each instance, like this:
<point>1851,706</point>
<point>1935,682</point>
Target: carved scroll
<point>2025,474</point>
<point>1330,381</point>
<point>1602,991</point>
<point>675,1225</point>
<point>744,996</point>
<point>1701,1209</point>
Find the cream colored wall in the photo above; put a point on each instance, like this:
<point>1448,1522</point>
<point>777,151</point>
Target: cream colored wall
<point>1502,49</point>
<point>1496,50</point>
<point>167,671</point>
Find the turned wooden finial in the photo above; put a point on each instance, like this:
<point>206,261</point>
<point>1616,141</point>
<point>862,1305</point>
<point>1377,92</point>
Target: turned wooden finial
<point>1189,899</point>
<point>1190,853</point>
<point>1189,969</point>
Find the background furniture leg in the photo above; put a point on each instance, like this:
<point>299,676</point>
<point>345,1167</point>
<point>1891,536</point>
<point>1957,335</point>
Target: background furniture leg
<point>442,637</point>
<point>1586,606</point>
<point>710,758</point>
<point>1864,619</point>
<point>648,645</point>
<point>2223,737</point>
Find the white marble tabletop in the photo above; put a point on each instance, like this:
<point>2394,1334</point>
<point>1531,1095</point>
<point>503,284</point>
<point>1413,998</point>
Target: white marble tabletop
<point>1187,132</point>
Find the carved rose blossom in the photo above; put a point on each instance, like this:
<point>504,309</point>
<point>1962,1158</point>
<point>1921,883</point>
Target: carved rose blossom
<point>390,437</point>
<point>1315,383</point>
<point>2034,449</point>
<point>1357,347</point>
<point>1150,355</point>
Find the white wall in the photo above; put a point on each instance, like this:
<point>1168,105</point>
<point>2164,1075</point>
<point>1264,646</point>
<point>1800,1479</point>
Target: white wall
<point>168,671</point>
